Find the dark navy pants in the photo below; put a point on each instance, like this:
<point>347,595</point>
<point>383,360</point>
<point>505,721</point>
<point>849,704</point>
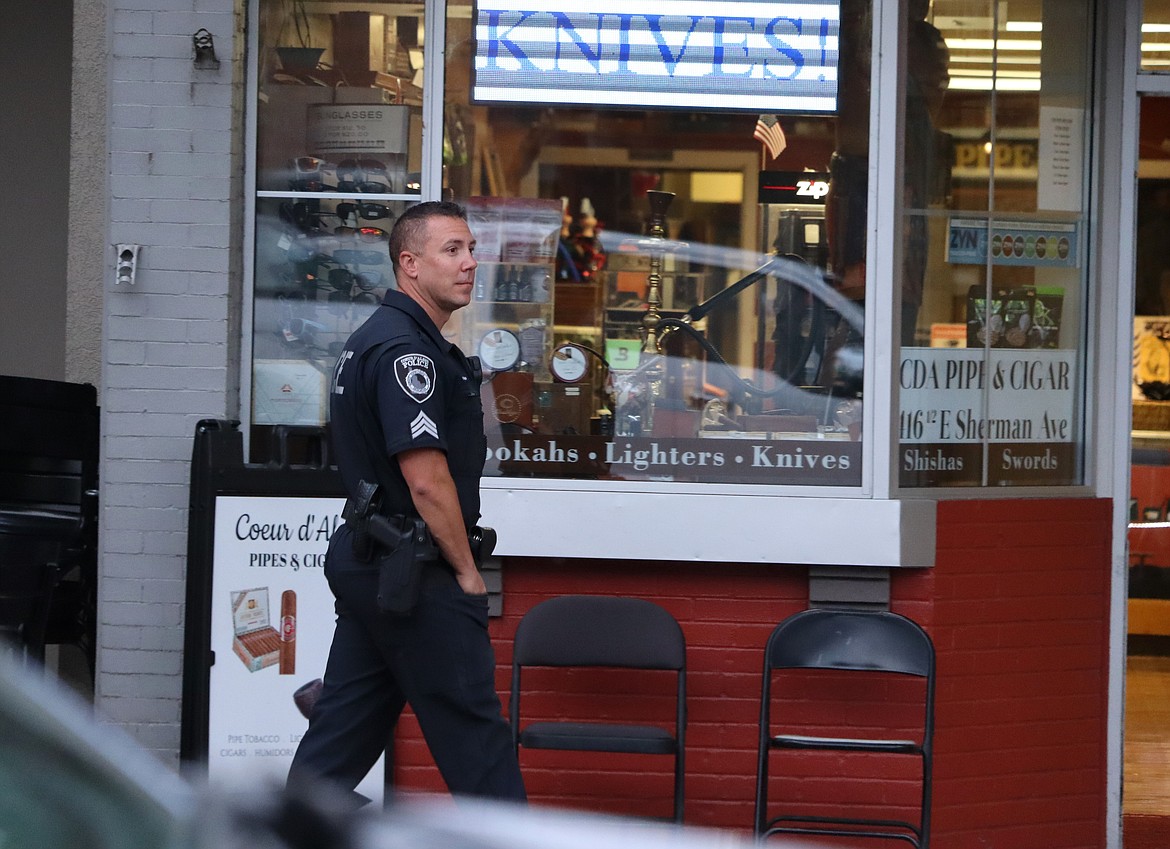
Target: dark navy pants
<point>439,659</point>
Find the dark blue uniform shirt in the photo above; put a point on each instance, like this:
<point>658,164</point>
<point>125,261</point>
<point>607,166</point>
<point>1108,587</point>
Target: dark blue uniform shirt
<point>400,385</point>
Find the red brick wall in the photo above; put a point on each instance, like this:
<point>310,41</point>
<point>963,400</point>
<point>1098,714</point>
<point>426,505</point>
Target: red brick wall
<point>1017,605</point>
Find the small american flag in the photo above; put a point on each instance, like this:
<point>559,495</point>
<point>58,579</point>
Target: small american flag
<point>769,131</point>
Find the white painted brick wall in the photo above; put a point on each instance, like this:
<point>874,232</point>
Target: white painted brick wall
<point>168,355</point>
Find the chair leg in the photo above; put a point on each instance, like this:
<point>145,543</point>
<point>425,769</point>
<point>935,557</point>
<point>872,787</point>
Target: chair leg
<point>35,630</point>
<point>87,632</point>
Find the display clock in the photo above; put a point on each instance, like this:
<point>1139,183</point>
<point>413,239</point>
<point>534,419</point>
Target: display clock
<point>569,363</point>
<point>499,350</point>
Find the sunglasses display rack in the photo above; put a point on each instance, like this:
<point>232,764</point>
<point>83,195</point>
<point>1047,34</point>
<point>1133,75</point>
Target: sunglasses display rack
<point>322,262</point>
<point>303,122</point>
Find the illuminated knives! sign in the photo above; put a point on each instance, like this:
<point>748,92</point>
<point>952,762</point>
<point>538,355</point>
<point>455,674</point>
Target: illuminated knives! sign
<point>752,56</point>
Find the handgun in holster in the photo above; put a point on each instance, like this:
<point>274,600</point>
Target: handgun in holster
<point>407,547</point>
<point>357,512</point>
<point>403,545</point>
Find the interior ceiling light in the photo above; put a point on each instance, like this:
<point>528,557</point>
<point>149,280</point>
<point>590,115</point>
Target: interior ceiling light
<point>993,44</point>
<point>987,59</point>
<point>1001,84</point>
<point>964,23</point>
<point>982,72</point>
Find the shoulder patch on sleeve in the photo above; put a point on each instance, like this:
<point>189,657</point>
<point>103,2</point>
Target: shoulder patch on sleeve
<point>416,376</point>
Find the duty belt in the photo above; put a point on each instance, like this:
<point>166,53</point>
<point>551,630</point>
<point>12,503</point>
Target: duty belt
<point>372,528</point>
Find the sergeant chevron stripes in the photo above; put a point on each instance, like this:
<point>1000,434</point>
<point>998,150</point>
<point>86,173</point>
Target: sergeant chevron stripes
<point>423,424</point>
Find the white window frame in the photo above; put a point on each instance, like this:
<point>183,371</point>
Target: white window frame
<point>874,524</point>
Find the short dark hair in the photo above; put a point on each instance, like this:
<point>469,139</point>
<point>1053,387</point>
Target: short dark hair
<point>411,226</point>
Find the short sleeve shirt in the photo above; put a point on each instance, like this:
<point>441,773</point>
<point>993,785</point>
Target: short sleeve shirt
<point>399,385</point>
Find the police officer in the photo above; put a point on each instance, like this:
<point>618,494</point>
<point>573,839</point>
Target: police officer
<point>405,413</point>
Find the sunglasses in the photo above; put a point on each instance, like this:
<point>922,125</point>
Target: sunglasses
<point>308,165</point>
<point>303,248</point>
<point>367,280</point>
<point>304,215</point>
<point>351,167</point>
<point>343,280</point>
<point>363,234</point>
<point>369,187</point>
<point>364,209</point>
<point>313,185</point>
<point>363,175</point>
<point>348,257</point>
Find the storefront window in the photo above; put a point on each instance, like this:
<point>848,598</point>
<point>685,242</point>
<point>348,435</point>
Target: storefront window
<point>672,211</point>
<point>994,244</point>
<point>338,157</point>
<point>649,187</point>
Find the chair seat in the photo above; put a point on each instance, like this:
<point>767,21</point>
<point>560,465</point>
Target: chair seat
<point>848,744</point>
<point>845,827</point>
<point>47,523</point>
<point>598,737</point>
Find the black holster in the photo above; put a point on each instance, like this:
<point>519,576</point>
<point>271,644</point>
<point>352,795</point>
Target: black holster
<point>402,546</point>
<point>483,542</point>
<point>400,564</point>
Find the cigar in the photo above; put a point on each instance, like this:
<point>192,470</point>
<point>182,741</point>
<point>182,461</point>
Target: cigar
<point>288,632</point>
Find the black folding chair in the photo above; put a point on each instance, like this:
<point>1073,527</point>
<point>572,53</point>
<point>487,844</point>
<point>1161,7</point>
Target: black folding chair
<point>605,632</point>
<point>853,642</point>
<point>29,571</point>
<point>49,435</point>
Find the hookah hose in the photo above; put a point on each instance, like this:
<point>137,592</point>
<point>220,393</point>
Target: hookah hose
<point>748,388</point>
<point>699,311</point>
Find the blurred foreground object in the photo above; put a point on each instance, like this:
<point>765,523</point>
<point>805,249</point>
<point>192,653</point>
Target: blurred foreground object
<point>67,781</point>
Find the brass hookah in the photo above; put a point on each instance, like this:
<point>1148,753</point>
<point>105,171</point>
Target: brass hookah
<point>656,244</point>
<point>645,383</point>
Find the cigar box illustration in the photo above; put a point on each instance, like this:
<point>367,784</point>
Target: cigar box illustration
<point>255,641</point>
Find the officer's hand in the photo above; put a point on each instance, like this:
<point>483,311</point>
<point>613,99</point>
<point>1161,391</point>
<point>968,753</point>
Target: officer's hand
<point>472,582</point>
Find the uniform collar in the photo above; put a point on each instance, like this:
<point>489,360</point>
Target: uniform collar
<point>406,304</point>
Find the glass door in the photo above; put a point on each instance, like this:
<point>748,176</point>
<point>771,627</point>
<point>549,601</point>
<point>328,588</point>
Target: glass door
<point>1147,721</point>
